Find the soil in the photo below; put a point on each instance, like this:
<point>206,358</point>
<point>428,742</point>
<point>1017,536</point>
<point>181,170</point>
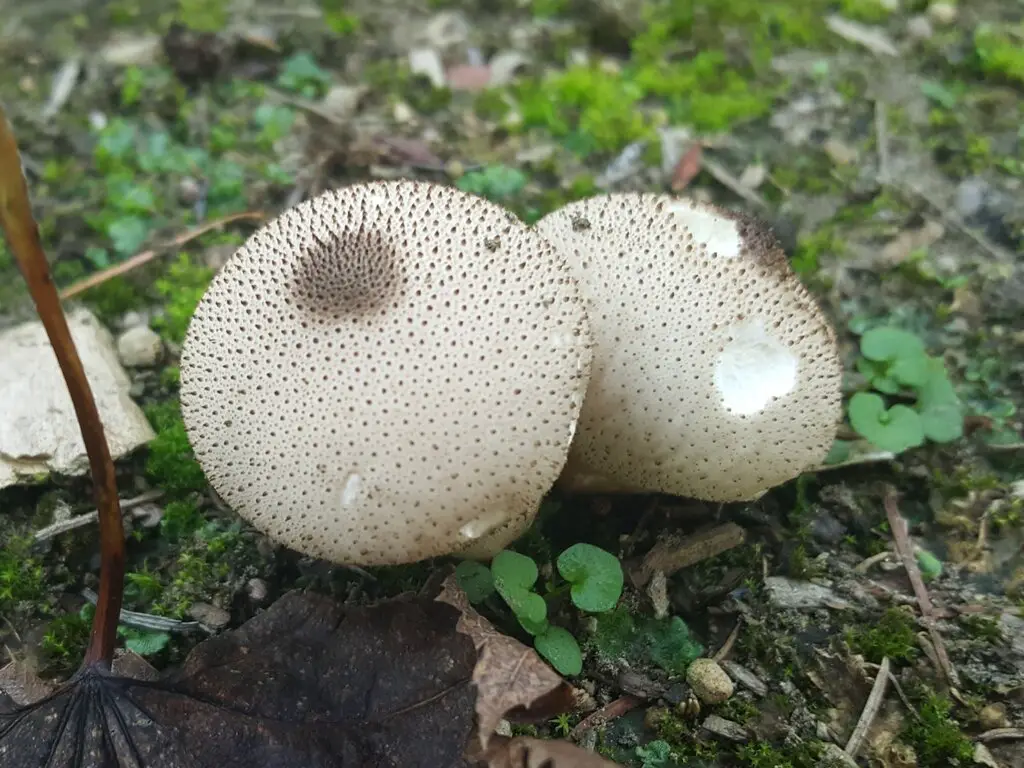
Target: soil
<point>884,148</point>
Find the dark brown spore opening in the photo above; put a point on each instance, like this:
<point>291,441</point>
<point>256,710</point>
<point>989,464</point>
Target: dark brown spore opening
<point>346,275</point>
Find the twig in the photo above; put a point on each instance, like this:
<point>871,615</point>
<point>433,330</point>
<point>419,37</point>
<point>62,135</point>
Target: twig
<point>951,218</point>
<point>730,641</point>
<point>55,529</point>
<point>727,180</point>
<point>906,553</point>
<point>605,714</point>
<point>871,707</point>
<point>148,620</point>
<point>1001,734</point>
<point>672,553</point>
<point>882,139</point>
<point>865,565</point>
<point>145,257</point>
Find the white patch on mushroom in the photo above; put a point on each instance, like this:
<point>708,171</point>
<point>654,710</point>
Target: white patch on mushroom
<point>483,525</point>
<point>754,369</point>
<point>353,489</point>
<point>719,235</point>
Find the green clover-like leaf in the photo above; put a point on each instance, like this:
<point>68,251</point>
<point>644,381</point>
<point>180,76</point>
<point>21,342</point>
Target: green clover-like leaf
<point>911,371</point>
<point>929,565</point>
<point>937,388</point>
<point>878,376</point>
<point>514,575</point>
<point>943,422</point>
<point>894,429</point>
<point>475,579</point>
<point>561,650</point>
<point>533,627</point>
<point>596,577</point>
<point>886,344</point>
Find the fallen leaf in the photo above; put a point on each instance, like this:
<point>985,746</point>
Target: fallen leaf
<point>687,168</point>
<point>511,679</point>
<point>469,77</point>
<point>872,38</point>
<point>525,752</point>
<point>308,682</point>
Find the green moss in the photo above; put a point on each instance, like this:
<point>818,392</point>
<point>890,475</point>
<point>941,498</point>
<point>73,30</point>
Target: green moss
<point>113,298</point>
<point>171,465</point>
<point>181,519</point>
<point>206,568</point>
<point>64,642</point>
<point>761,754</point>
<point>594,109</point>
<point>936,737</point>
<point>22,579</point>
<point>867,11</point>
<point>204,15</point>
<point>999,52</point>
<point>892,636</point>
<point>181,288</point>
<point>666,643</point>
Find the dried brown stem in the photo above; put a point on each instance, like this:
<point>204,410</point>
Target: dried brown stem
<point>22,233</point>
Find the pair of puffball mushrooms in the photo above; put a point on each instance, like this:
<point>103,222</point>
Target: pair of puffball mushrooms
<point>399,370</point>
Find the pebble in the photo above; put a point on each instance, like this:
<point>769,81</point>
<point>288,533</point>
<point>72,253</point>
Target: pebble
<point>942,13</point>
<point>727,729</point>
<point>709,681</point>
<point>257,590</point>
<point>920,28</point>
<point>139,347</point>
<point>210,615</point>
<point>787,593</point>
<point>970,196</point>
<point>427,62</point>
<point>993,716</point>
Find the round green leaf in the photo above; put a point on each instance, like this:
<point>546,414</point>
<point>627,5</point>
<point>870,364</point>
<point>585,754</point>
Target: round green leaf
<point>561,650</point>
<point>929,564</point>
<point>475,580</point>
<point>937,388</point>
<point>513,569</point>
<point>943,422</point>
<point>885,344</point>
<point>596,577</point>
<point>514,574</point>
<point>529,607</point>
<point>911,371</point>
<point>840,452</point>
<point>533,627</point>
<point>895,429</point>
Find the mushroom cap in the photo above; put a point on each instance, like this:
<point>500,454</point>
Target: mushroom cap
<point>715,373</point>
<point>388,372</point>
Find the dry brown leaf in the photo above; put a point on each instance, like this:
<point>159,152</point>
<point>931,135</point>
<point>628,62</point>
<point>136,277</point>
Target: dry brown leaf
<point>525,752</point>
<point>687,168</point>
<point>511,678</point>
<point>19,681</point>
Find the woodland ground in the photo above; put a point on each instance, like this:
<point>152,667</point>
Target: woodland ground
<point>889,158</point>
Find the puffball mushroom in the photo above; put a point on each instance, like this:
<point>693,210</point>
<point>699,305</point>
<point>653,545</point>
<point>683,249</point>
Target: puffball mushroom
<point>715,374</point>
<point>388,372</point>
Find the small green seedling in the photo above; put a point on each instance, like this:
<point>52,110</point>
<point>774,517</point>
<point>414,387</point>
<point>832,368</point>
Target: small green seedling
<point>595,575</point>
<point>895,362</point>
<point>593,578</point>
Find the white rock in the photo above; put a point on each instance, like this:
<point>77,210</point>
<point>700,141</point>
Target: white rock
<point>942,13</point>
<point>38,429</point>
<point>139,347</point>
<point>709,681</point>
<point>127,51</point>
<point>427,62</point>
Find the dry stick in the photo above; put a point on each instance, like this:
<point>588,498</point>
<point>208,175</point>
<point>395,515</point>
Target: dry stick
<point>906,553</point>
<point>882,139</point>
<point>871,707</point>
<point>55,529</point>
<point>730,641</point>
<point>145,257</point>
<point>23,237</point>
<point>605,714</point>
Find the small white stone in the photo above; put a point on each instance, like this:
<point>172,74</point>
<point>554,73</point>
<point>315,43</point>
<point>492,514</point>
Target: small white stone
<point>139,347</point>
<point>920,28</point>
<point>942,13</point>
<point>709,681</point>
<point>38,429</point>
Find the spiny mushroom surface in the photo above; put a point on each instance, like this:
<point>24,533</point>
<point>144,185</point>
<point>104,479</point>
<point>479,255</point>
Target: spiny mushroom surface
<point>388,372</point>
<point>715,374</point>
